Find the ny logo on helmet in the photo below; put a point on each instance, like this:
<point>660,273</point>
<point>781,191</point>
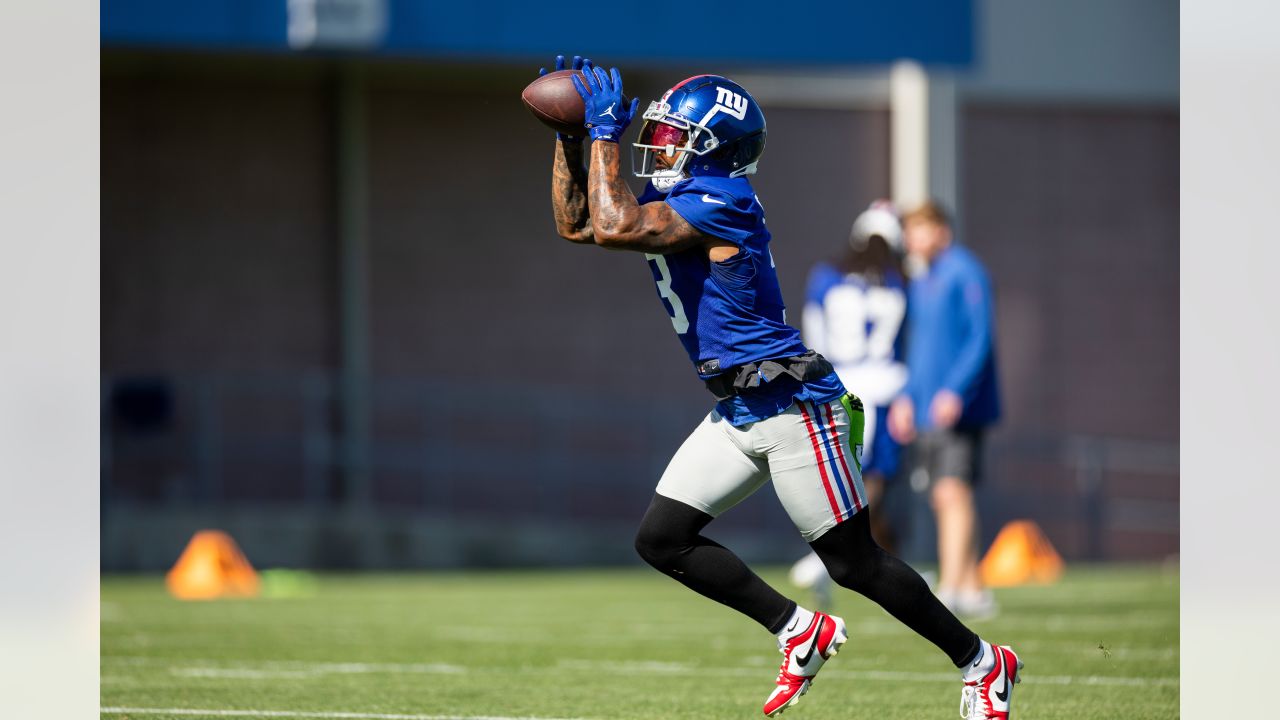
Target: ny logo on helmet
<point>731,102</point>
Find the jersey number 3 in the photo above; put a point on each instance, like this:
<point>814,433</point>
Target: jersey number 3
<point>679,320</point>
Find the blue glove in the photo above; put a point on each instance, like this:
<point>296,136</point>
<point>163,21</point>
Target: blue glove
<point>607,117</point>
<point>575,65</point>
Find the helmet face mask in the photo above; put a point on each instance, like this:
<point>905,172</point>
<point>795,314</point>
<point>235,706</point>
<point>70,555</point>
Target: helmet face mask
<point>726,119</point>
<point>661,150</point>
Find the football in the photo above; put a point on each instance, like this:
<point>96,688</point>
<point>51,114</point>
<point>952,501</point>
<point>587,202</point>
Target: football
<point>554,100</point>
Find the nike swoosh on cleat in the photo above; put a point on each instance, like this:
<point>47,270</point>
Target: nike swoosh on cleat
<point>804,660</point>
<point>1003,694</point>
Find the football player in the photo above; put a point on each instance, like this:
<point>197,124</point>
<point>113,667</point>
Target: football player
<point>781,413</point>
<point>854,314</point>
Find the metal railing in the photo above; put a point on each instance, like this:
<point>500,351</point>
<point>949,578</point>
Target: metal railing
<point>533,451</point>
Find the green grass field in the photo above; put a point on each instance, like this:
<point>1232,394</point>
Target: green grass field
<point>1103,643</point>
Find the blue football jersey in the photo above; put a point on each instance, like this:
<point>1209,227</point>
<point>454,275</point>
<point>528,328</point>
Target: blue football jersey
<point>858,324</point>
<point>731,313</point>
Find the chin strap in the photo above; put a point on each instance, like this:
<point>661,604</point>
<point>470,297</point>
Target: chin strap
<point>664,183</point>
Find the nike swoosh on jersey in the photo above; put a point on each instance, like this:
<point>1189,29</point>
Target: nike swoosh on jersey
<point>708,198</point>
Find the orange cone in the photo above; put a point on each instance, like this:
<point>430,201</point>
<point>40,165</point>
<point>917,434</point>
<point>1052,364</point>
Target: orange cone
<point>212,566</point>
<point>1021,554</point>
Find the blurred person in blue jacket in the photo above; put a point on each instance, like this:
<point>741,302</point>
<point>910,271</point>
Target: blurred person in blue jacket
<point>951,396</point>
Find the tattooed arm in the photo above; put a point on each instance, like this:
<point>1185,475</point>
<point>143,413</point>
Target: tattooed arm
<point>621,223</point>
<point>569,193</point>
<point>617,220</point>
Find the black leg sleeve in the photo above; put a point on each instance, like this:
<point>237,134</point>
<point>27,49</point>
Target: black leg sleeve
<point>855,561</point>
<point>669,540</point>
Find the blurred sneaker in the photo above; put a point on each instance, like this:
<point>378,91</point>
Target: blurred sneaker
<point>970,605</point>
<point>988,684</point>
<point>803,654</point>
<point>930,578</point>
<point>980,605</point>
<point>811,574</point>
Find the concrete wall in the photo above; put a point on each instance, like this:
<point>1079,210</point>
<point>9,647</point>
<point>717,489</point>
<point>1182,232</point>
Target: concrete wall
<point>1096,51</point>
<point>1075,212</point>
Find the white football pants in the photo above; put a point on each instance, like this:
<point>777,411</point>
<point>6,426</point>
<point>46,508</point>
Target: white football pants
<point>812,452</point>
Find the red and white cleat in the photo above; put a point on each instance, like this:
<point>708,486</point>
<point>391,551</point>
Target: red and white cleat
<point>802,656</point>
<point>990,695</point>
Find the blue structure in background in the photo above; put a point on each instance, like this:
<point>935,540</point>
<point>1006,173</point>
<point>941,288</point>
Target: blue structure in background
<point>219,24</point>
<point>744,31</point>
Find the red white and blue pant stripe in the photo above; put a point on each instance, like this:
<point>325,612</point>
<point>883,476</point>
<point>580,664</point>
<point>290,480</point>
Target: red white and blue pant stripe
<point>831,453</point>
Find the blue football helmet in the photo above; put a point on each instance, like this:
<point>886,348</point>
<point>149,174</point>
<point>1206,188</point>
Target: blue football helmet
<point>705,125</point>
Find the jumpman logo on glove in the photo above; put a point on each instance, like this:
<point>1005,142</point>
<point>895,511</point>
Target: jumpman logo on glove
<point>601,97</point>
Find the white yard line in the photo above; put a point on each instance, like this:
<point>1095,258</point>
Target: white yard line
<point>265,670</point>
<point>301,671</point>
<point>652,668</point>
<point>305,669</point>
<point>242,673</point>
<point>196,712</point>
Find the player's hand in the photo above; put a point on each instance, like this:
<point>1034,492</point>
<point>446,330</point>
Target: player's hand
<point>945,409</point>
<point>575,64</point>
<point>902,420</point>
<point>607,115</point>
